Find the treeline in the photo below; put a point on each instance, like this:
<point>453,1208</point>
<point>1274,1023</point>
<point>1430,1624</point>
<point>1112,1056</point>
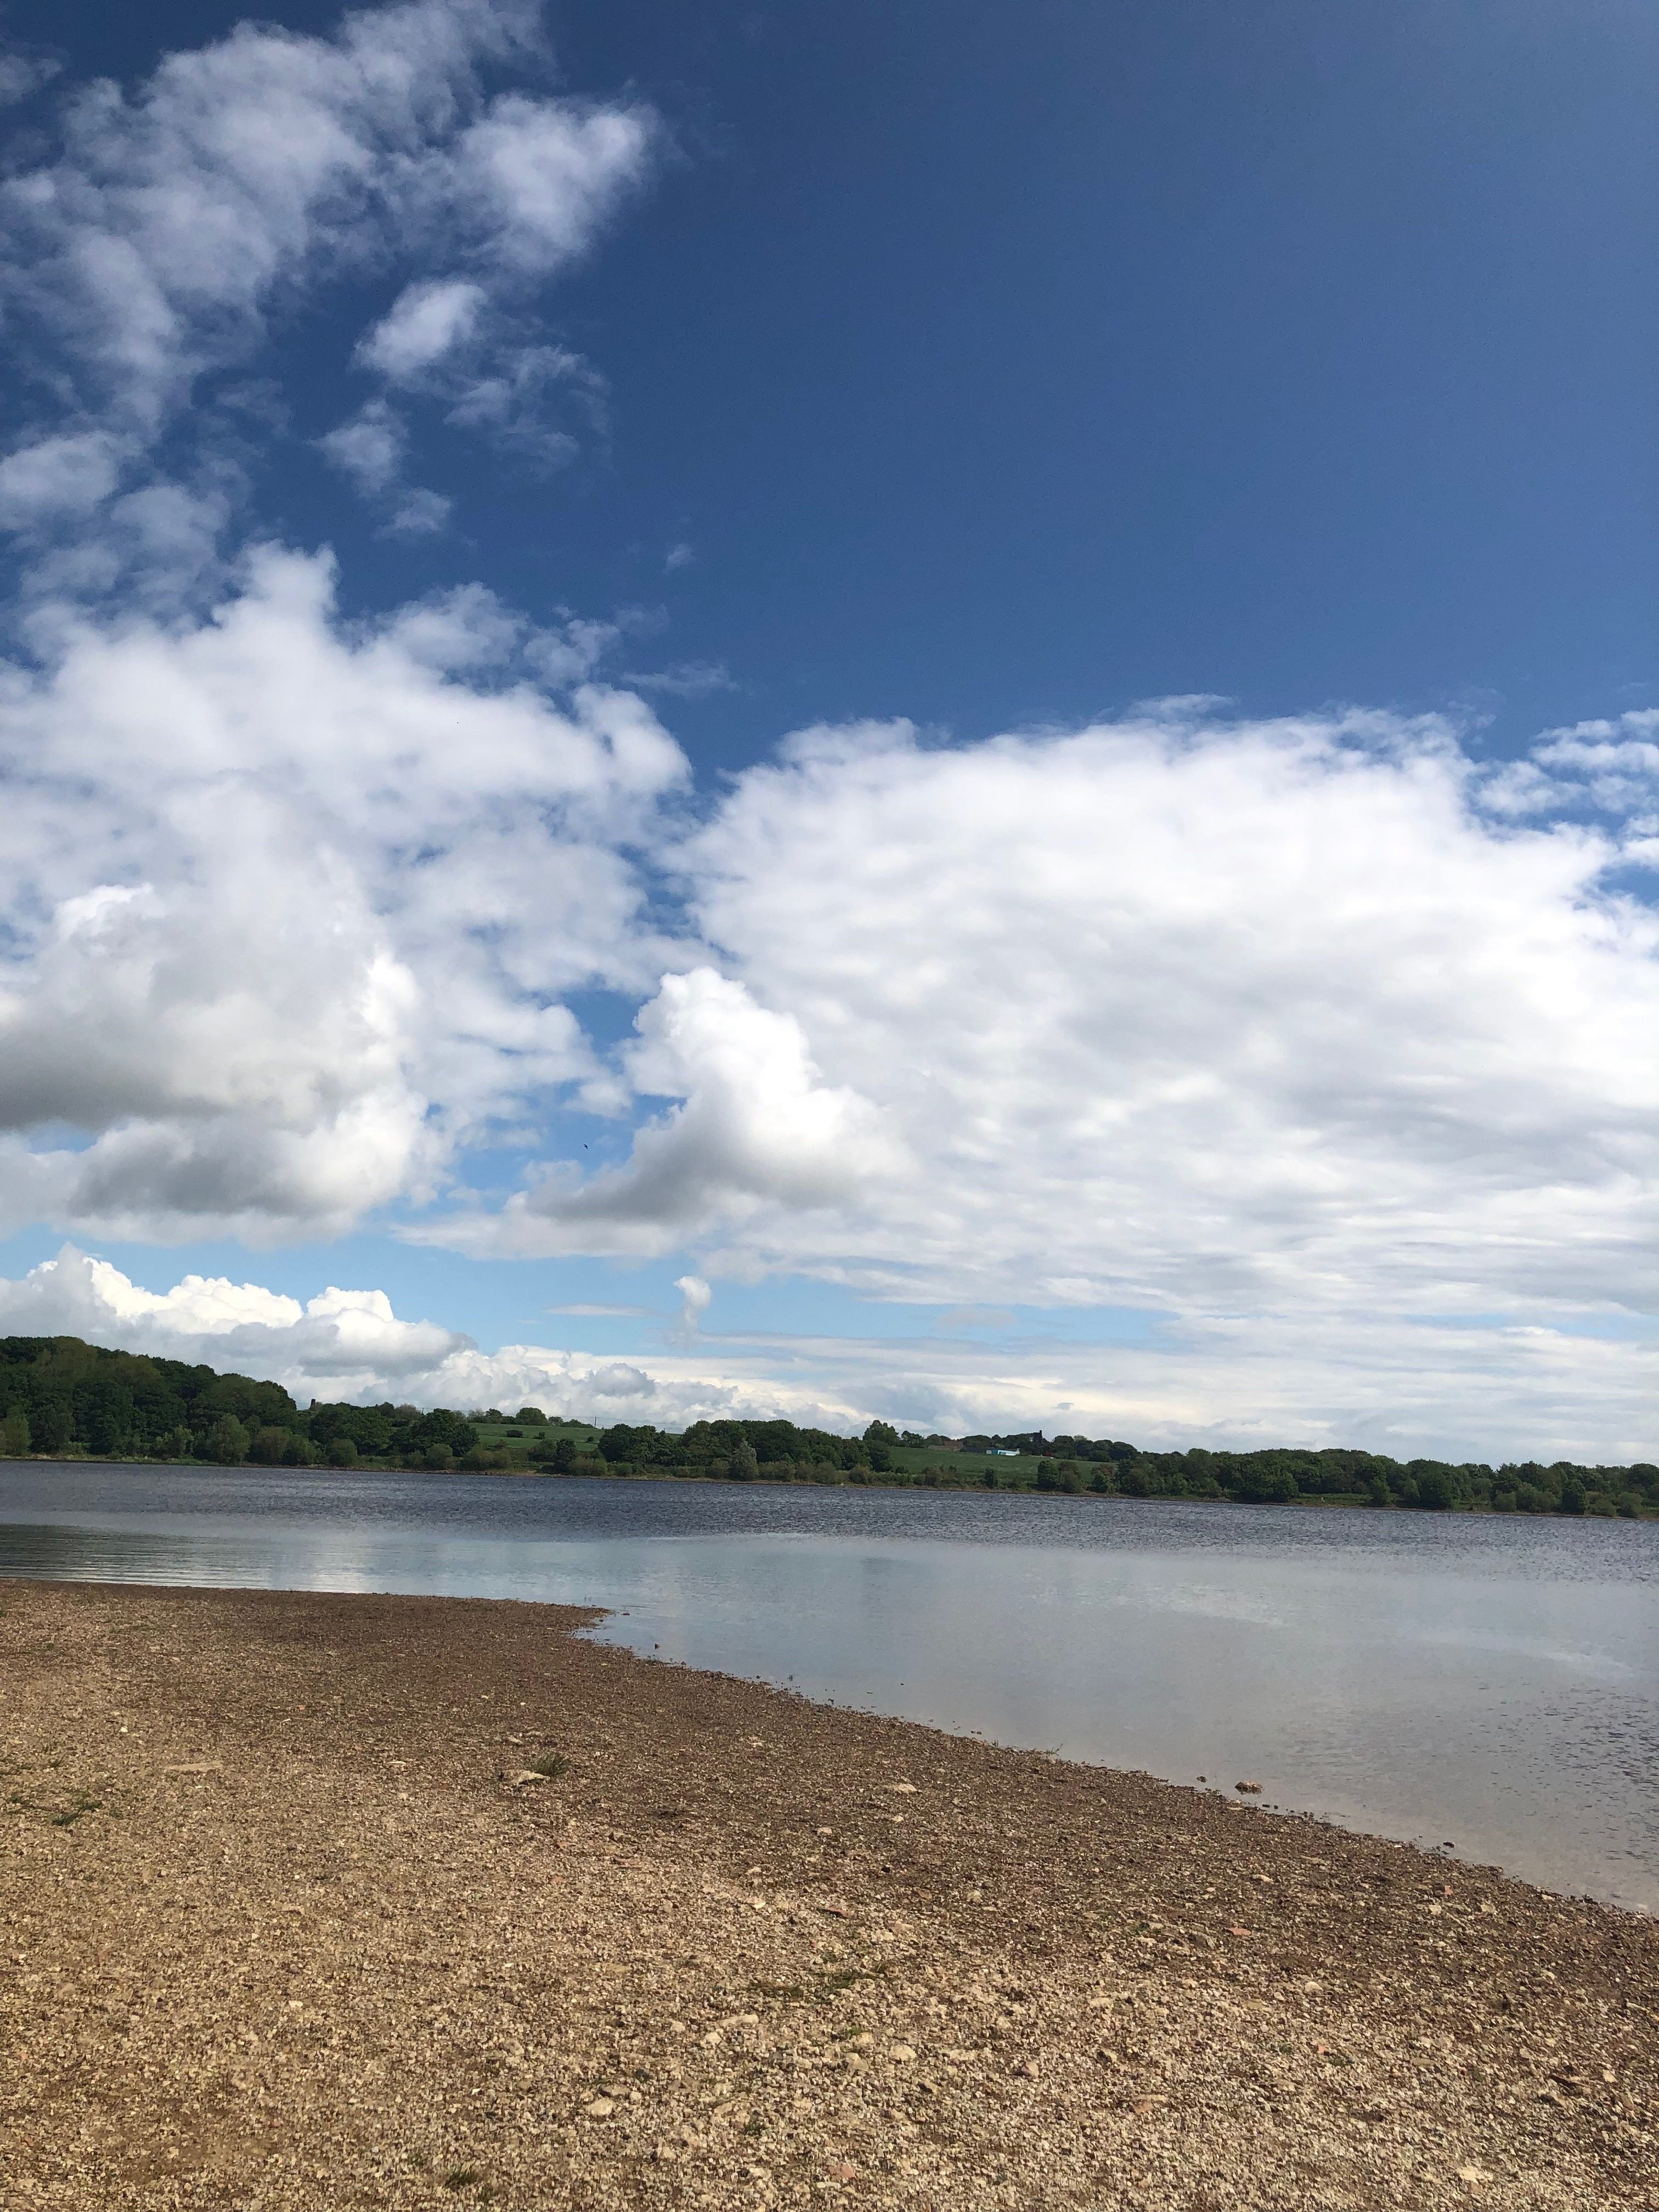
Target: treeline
<point>58,1395</point>
<point>777,1451</point>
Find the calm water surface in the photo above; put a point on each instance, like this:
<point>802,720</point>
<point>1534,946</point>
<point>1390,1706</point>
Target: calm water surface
<point>1492,1683</point>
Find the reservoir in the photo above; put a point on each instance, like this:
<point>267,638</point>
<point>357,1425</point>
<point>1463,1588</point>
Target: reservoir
<point>1489,1683</point>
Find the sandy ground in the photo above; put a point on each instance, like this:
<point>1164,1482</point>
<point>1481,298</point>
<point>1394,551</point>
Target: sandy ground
<point>279,1928</point>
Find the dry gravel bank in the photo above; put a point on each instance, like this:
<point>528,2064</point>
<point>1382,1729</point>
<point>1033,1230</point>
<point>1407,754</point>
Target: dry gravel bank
<point>278,1929</point>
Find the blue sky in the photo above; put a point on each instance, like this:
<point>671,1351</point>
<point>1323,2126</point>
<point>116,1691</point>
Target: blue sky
<point>990,371</point>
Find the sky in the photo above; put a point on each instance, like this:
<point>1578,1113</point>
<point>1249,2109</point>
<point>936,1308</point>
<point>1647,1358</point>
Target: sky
<point>944,714</point>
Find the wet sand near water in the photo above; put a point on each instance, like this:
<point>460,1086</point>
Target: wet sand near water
<point>287,1920</point>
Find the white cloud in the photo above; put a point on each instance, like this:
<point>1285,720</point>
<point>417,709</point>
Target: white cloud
<point>370,448</point>
<point>23,74</point>
<point>426,322</point>
<point>288,910</point>
<point>694,1296</point>
<point>68,475</point>
<point>175,221</point>
<point>755,1128</point>
<point>1266,1030</point>
<point>1201,1019</point>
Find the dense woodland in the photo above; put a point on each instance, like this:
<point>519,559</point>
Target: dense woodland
<point>60,1397</point>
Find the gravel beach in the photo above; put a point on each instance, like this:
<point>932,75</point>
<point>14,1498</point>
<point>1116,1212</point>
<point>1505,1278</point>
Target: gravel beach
<point>288,1918</point>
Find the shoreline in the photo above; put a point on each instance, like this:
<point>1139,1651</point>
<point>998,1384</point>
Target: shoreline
<point>284,1925</point>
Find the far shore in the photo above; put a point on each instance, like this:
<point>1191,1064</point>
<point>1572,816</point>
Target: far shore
<point>1345,1502</point>
<point>318,1901</point>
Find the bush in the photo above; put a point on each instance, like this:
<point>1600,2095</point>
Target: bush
<point>437,1459</point>
<point>342,1452</point>
<point>267,1447</point>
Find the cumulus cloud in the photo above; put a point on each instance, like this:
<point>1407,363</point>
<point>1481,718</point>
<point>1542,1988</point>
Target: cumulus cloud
<point>1206,1017</point>
<point>288,909</point>
<point>755,1128</point>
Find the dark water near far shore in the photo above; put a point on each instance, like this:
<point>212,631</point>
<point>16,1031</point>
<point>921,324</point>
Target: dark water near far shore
<point>1489,1682</point>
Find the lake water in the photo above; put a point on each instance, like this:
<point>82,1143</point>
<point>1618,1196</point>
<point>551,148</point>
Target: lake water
<point>1489,1682</point>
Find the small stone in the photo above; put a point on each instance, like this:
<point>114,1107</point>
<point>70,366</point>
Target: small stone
<point>903,1789</point>
<point>601,2108</point>
<point>1476,2176</point>
<point>904,2052</point>
<point>1248,1788</point>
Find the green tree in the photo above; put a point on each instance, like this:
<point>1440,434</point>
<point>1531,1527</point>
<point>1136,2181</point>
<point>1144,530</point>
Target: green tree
<point>882,1432</point>
<point>225,1444</point>
<point>15,1438</point>
<point>745,1465</point>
